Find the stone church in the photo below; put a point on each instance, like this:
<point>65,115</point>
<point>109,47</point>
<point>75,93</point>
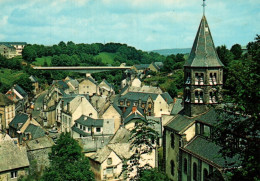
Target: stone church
<point>189,152</point>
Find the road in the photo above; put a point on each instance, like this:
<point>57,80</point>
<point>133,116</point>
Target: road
<point>38,104</point>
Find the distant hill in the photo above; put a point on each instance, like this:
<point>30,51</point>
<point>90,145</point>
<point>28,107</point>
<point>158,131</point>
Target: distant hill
<point>175,51</point>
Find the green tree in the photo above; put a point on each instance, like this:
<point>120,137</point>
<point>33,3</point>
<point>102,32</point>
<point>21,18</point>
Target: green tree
<point>224,55</point>
<point>153,175</point>
<point>238,128</point>
<point>25,83</point>
<point>142,139</point>
<point>67,162</point>
<point>237,51</point>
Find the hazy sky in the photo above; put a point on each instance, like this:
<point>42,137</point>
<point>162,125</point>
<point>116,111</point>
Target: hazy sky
<point>144,24</point>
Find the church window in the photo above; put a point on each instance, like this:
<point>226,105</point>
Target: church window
<point>185,165</point>
<point>198,96</point>
<point>199,78</point>
<point>172,167</point>
<point>194,171</point>
<point>172,140</point>
<point>205,174</point>
<point>187,95</point>
<point>188,78</point>
<point>212,97</point>
<point>213,78</point>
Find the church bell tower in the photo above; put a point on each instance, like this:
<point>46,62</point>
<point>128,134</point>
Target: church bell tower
<point>203,73</point>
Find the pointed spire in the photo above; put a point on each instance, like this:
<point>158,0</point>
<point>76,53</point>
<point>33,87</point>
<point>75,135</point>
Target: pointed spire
<point>203,53</point>
<point>204,5</point>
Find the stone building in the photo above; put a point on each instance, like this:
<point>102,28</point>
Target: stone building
<point>18,47</point>
<point>189,151</point>
<point>7,111</point>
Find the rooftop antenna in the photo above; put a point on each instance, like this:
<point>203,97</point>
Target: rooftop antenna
<point>204,5</point>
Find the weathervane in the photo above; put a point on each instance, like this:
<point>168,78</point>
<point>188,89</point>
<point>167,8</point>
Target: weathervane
<point>204,5</point>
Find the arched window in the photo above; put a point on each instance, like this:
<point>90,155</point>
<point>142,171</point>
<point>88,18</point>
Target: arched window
<point>194,171</point>
<point>205,174</point>
<point>199,78</point>
<point>213,78</point>
<point>172,167</point>
<point>187,92</point>
<point>172,140</point>
<point>185,165</point>
<point>212,96</point>
<point>199,96</point>
<point>188,78</point>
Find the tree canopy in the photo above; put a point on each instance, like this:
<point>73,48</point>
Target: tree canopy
<point>67,162</point>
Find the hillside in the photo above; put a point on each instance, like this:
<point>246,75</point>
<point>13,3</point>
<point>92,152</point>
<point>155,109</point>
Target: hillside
<point>107,58</point>
<point>175,51</point>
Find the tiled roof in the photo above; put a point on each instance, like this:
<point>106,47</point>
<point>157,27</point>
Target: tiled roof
<point>166,96</point>
<point>36,131</point>
<point>11,156</point>
<point>19,118</point>
<point>4,101</point>
<point>181,121</point>
<point>203,53</point>
<point>20,90</point>
<point>209,151</point>
<point>88,121</point>
<point>121,136</point>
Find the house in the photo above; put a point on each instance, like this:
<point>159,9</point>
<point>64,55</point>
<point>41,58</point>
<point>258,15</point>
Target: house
<point>152,104</point>
<point>38,150</point>
<point>14,161</point>
<point>156,66</point>
<point>98,102</point>
<point>189,151</point>
<point>35,84</point>
<point>112,111</point>
<point>87,126</point>
<point>19,46</point>
<point>24,127</point>
<point>7,111</point>
<point>134,82</point>
<point>72,108</point>
<point>7,51</point>
<point>107,163</point>
<point>73,84</point>
<point>141,68</point>
<point>88,86</point>
<point>19,96</point>
<point>105,88</point>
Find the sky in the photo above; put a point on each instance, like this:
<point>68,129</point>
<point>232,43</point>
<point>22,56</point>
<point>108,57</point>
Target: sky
<point>144,24</point>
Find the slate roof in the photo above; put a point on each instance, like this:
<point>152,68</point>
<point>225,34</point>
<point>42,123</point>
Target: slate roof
<point>135,96</point>
<point>133,116</point>
<point>141,66</point>
<point>20,90</point>
<point>106,82</point>
<point>90,121</point>
<point>166,96</point>
<point>210,151</point>
<point>121,136</point>
<point>12,156</point>
<point>19,118</point>
<point>39,143</point>
<point>61,84</point>
<point>203,53</point>
<point>4,101</point>
<point>177,107</point>
<point>181,121</point>
<point>36,131</point>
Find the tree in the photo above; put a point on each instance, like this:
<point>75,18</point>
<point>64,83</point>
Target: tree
<point>25,83</point>
<point>238,129</point>
<point>153,175</point>
<point>142,139</point>
<point>67,162</point>
<point>224,55</point>
<point>237,51</point>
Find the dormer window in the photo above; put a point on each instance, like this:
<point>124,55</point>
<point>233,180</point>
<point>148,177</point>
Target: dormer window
<point>128,103</point>
<point>198,96</point>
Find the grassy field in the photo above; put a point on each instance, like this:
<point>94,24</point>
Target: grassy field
<point>40,61</point>
<point>107,58</point>
<point>8,76</point>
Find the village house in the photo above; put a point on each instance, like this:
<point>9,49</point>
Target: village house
<point>133,81</point>
<point>105,88</point>
<point>88,86</point>
<point>7,112</point>
<point>73,84</point>
<point>7,51</point>
<point>19,46</point>
<point>35,84</point>
<point>19,96</point>
<point>71,109</point>
<point>189,152</point>
<point>14,161</point>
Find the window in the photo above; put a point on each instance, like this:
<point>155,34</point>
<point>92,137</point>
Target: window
<point>90,114</point>
<point>76,124</point>
<point>109,161</point>
<point>121,103</point>
<point>128,103</point>
<point>98,130</point>
<point>172,167</point>
<point>205,174</point>
<point>187,92</point>
<point>109,170</point>
<point>160,109</point>
<point>212,97</point>
<point>194,171</point>
<point>213,78</point>
<point>199,78</point>
<point>80,126</point>
<point>198,96</point>
<point>89,129</point>
<point>185,165</point>
<point>188,78</point>
<point>14,174</point>
<point>172,140</point>
<point>84,128</point>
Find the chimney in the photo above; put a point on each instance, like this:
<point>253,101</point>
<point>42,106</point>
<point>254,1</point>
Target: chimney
<point>68,107</point>
<point>134,108</point>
